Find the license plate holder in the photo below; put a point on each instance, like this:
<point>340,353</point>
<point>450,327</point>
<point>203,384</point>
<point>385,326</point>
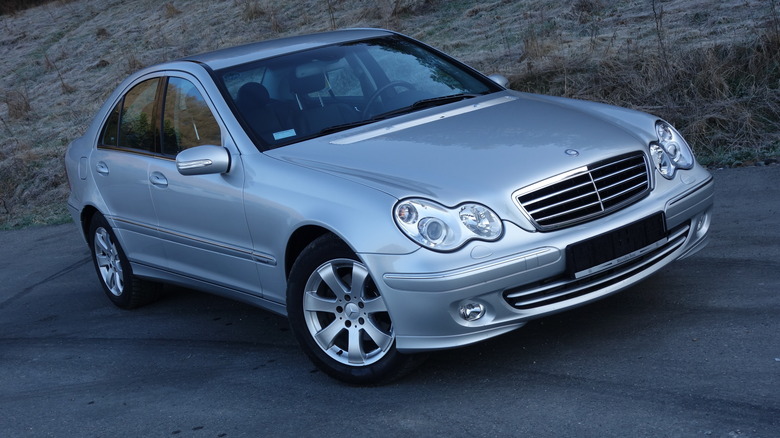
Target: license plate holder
<point>616,247</point>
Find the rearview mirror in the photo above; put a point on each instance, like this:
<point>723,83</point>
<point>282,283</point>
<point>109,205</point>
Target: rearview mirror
<point>203,160</point>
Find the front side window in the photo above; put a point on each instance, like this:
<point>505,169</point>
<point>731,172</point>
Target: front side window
<point>187,120</point>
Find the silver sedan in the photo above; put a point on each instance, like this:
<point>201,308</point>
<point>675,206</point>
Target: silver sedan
<point>386,198</point>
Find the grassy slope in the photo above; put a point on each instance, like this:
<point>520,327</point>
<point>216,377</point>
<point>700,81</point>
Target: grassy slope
<point>712,68</point>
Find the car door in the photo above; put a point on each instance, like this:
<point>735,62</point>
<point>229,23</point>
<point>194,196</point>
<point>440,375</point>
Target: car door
<point>120,166</point>
<point>201,217</point>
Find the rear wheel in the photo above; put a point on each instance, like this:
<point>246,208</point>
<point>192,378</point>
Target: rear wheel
<point>113,268</point>
<point>340,318</point>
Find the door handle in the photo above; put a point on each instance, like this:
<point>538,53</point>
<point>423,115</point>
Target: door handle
<point>101,168</point>
<point>158,179</point>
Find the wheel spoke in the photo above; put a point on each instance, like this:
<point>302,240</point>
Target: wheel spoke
<point>356,354</point>
<point>118,285</point>
<point>359,277</point>
<point>110,279</point>
<point>340,296</point>
<point>326,336</point>
<point>375,305</point>
<point>102,259</point>
<point>328,274</point>
<point>102,241</point>
<point>380,338</point>
<point>316,303</point>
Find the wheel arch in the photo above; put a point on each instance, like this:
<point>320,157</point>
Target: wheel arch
<point>87,213</point>
<point>299,240</point>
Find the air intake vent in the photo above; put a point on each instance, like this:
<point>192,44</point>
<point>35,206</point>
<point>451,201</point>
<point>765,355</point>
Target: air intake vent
<point>585,193</point>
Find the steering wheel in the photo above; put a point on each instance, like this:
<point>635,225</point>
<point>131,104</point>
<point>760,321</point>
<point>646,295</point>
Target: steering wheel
<point>382,89</point>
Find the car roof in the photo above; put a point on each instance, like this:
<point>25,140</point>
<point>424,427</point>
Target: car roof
<point>266,49</point>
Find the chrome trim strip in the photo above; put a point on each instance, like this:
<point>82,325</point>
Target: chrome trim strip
<point>548,291</point>
<point>620,260</point>
<point>422,121</point>
<point>548,182</point>
<point>136,152</point>
<point>558,193</point>
<point>256,256</point>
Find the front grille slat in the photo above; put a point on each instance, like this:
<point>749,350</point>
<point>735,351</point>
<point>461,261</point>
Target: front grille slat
<point>638,171</point>
<point>616,161</point>
<point>624,192</point>
<point>588,193</point>
<point>621,185</point>
<point>559,204</point>
<point>561,193</point>
<point>590,206</point>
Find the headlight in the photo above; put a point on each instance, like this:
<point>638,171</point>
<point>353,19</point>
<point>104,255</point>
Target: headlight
<point>435,226</point>
<point>670,152</point>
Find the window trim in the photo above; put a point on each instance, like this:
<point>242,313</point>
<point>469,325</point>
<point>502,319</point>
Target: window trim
<point>262,146</point>
<point>155,122</point>
<point>206,100</point>
<point>158,113</point>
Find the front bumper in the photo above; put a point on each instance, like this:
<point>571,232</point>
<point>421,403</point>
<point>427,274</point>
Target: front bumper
<point>425,291</point>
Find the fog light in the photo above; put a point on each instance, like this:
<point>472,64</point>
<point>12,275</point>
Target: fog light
<point>472,311</point>
<point>703,224</point>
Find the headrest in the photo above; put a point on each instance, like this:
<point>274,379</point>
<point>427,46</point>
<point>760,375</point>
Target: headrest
<point>308,79</point>
<point>253,93</point>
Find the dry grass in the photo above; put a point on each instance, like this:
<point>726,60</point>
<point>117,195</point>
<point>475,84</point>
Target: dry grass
<point>709,67</point>
<point>18,104</point>
<point>725,98</point>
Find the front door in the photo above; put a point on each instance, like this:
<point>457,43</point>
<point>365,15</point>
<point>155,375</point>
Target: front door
<point>201,217</point>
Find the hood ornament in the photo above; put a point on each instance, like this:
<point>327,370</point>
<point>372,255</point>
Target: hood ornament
<point>572,152</point>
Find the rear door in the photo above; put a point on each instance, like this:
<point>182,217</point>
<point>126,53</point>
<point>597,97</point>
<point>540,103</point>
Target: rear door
<point>120,164</point>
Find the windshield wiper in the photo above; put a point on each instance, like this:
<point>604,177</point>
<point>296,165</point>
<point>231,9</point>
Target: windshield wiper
<point>344,126</point>
<point>425,103</point>
<point>420,104</point>
<point>442,100</point>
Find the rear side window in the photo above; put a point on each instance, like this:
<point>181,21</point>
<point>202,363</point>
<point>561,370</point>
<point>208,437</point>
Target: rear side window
<point>187,120</point>
<point>131,123</point>
<point>136,124</point>
<point>111,129</point>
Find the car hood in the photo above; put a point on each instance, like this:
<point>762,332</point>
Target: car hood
<point>477,149</point>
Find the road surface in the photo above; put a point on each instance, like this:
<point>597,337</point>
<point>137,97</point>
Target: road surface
<point>693,351</point>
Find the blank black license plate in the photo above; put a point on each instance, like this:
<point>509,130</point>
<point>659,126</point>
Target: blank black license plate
<point>616,247</point>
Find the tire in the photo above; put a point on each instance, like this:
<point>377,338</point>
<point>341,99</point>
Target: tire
<point>339,317</point>
<point>114,270</point>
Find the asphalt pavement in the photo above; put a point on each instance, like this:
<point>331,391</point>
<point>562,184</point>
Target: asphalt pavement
<point>694,351</point>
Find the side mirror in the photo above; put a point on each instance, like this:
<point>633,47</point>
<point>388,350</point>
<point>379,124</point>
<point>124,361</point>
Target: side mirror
<point>203,160</point>
<point>500,80</point>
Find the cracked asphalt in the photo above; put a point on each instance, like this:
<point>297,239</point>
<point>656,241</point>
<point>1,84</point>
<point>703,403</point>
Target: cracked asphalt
<point>692,351</point>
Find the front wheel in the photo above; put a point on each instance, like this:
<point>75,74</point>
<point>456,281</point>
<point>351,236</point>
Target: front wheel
<point>340,318</point>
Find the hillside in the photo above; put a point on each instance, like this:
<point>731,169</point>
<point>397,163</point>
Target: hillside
<point>710,67</point>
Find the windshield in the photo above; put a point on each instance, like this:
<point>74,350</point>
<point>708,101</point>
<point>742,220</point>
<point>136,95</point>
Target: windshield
<point>302,95</point>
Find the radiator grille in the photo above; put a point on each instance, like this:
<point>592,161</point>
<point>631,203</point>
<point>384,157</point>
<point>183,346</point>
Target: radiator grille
<point>586,193</point>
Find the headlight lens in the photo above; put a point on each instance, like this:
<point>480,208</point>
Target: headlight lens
<point>670,152</point>
<point>435,226</point>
